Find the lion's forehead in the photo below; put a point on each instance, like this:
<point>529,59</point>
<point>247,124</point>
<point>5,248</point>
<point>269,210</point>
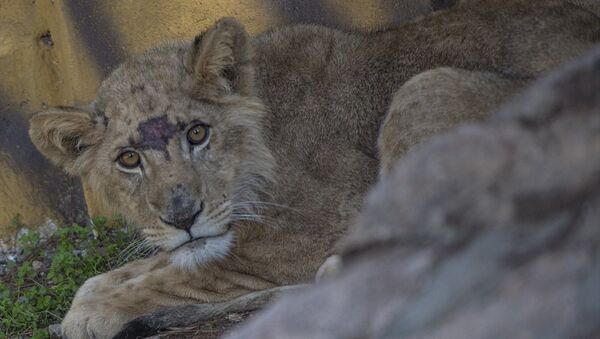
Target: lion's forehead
<point>156,132</point>
<point>143,122</point>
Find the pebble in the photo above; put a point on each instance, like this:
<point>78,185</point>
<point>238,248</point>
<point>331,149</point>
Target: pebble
<point>37,265</point>
<point>23,231</point>
<point>54,331</point>
<point>4,246</point>
<point>47,229</point>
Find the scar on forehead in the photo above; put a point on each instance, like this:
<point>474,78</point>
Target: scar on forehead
<point>155,133</point>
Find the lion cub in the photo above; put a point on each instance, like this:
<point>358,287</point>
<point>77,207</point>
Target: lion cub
<point>245,159</point>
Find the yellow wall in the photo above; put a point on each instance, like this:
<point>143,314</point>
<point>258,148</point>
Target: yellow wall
<point>55,52</point>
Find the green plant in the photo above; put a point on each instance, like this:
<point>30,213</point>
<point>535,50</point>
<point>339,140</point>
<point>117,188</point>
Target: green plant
<point>37,290</point>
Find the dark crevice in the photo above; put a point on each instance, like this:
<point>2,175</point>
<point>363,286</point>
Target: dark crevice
<point>46,39</point>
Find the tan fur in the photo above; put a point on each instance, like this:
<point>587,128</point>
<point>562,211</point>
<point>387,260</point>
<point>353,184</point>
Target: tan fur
<point>224,46</point>
<point>295,115</point>
<point>64,133</point>
<point>417,113</point>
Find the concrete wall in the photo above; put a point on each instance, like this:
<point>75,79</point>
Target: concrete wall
<point>55,52</point>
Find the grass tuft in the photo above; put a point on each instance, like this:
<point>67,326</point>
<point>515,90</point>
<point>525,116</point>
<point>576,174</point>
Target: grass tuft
<point>36,289</point>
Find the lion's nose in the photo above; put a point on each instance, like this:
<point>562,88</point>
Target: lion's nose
<point>184,222</point>
<point>182,208</point>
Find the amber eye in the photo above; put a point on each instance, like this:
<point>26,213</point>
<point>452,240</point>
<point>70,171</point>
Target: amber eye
<point>197,134</point>
<point>129,159</point>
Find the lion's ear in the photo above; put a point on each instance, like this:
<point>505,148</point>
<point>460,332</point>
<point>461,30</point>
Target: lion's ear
<point>221,60</point>
<point>63,134</point>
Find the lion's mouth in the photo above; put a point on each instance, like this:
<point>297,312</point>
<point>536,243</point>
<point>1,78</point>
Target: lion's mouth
<point>198,240</point>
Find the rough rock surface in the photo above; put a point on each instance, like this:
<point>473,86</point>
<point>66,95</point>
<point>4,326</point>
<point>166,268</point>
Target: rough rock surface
<point>489,231</point>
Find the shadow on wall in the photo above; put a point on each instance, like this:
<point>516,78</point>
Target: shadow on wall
<point>56,53</point>
<point>31,187</point>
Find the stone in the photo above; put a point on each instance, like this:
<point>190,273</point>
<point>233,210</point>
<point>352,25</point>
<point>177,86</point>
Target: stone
<point>22,232</point>
<point>47,229</point>
<point>54,331</point>
<point>37,265</point>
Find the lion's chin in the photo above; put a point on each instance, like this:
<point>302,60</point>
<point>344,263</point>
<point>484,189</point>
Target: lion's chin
<point>197,252</point>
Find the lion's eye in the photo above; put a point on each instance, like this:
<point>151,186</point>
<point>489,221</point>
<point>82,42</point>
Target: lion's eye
<point>197,134</point>
<point>129,159</point>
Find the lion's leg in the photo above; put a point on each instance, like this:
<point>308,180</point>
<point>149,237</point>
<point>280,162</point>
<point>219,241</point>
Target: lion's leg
<point>92,312</point>
<point>107,281</point>
<point>436,100</point>
<point>106,302</point>
<point>181,316</point>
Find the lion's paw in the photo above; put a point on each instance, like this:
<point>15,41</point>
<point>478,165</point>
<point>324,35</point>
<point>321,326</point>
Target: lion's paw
<point>92,321</point>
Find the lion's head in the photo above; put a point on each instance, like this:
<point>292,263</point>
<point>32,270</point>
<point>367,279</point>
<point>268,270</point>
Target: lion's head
<point>172,142</point>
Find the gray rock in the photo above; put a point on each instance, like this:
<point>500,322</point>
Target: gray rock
<point>54,331</point>
<point>489,231</point>
<point>47,229</point>
<point>5,246</point>
<point>37,265</point>
<point>79,253</point>
<point>22,231</point>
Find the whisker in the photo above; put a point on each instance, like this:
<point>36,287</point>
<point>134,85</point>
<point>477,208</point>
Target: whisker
<point>251,206</point>
<point>272,204</point>
<point>255,218</point>
<point>132,246</point>
<point>218,210</point>
<point>139,247</point>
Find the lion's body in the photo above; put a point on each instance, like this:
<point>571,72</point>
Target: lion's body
<point>328,92</point>
<point>314,148</point>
